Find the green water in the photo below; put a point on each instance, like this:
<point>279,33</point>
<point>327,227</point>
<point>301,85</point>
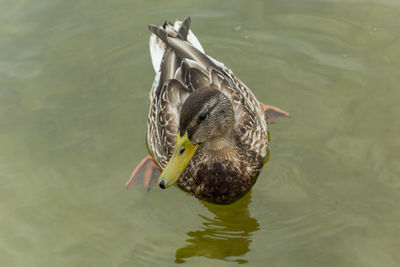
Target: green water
<point>74,83</point>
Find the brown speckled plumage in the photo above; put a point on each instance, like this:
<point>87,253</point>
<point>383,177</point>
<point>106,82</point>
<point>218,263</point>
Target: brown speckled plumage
<point>221,177</point>
<point>218,176</point>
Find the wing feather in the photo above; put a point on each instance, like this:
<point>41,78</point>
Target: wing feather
<point>163,120</point>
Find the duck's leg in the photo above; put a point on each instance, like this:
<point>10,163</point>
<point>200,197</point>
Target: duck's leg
<point>146,172</point>
<point>273,112</point>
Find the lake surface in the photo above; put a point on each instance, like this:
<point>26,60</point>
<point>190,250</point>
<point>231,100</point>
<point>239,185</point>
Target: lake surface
<point>74,83</point>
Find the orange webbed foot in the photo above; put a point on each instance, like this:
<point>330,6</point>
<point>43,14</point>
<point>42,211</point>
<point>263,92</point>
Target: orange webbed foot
<point>273,112</point>
<point>147,172</point>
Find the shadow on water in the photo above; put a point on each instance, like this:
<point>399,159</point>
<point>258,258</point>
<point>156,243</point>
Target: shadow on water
<point>227,234</point>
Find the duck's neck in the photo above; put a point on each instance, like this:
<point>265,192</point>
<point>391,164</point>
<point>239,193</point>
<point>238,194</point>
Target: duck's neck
<point>220,142</point>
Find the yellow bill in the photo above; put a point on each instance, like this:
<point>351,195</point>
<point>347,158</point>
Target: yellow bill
<point>183,153</point>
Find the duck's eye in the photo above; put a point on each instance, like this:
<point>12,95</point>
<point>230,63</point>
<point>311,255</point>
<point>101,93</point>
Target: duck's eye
<point>202,116</point>
<point>222,111</point>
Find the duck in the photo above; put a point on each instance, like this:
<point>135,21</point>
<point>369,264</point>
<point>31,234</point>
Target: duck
<point>206,131</point>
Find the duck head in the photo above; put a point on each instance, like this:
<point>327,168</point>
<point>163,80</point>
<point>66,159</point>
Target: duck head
<point>206,119</point>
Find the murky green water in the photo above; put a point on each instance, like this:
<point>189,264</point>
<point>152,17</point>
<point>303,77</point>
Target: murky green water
<point>74,82</point>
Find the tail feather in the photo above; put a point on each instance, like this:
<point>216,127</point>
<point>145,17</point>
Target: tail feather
<point>184,28</point>
<point>159,39</point>
<point>159,32</point>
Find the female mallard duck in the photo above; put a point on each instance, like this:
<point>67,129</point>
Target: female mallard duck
<point>206,130</point>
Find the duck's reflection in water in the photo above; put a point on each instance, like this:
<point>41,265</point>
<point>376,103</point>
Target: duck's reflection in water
<point>226,236</point>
